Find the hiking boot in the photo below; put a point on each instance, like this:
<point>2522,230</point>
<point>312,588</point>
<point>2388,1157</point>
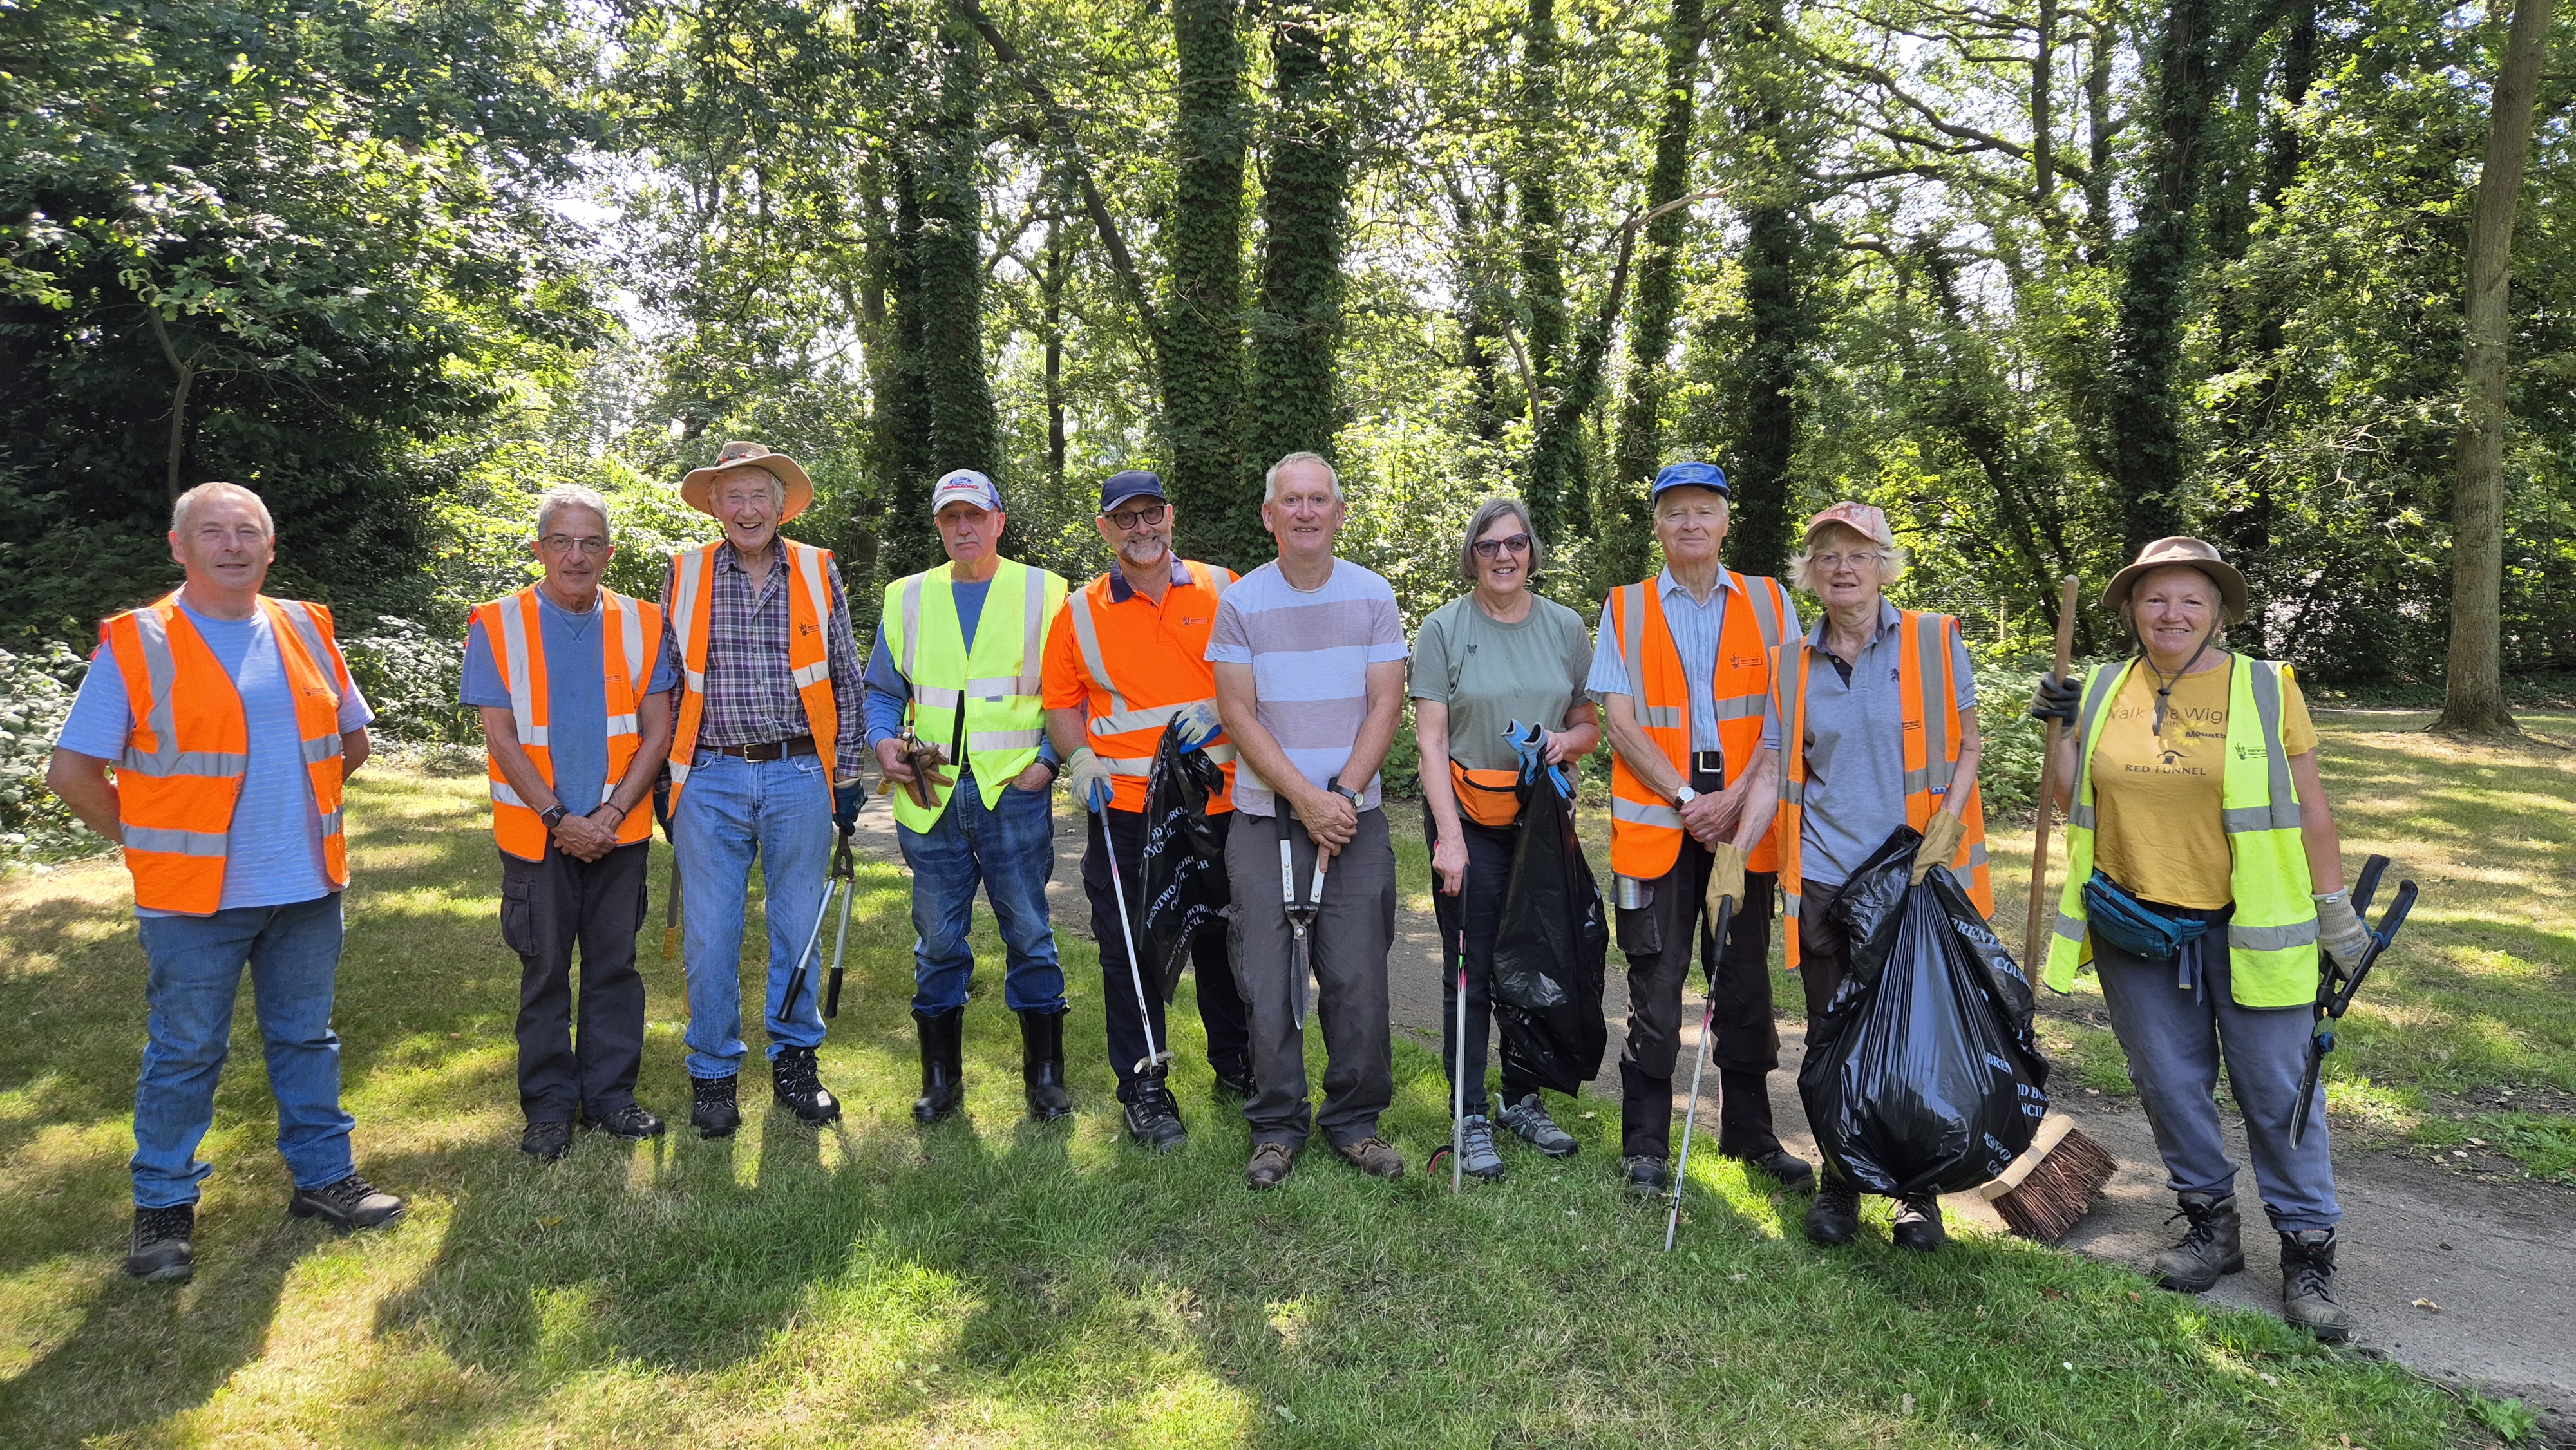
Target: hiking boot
<point>1529,1119</point>
<point>1153,1119</point>
<point>351,1203</point>
<point>1643,1175</point>
<point>1232,1087</point>
<point>546,1142</point>
<point>1788,1169</point>
<point>2307,1285</point>
<point>943,1068</point>
<point>631,1122</point>
<point>163,1250</point>
<point>1269,1166</point>
<point>1834,1218</point>
<point>1372,1155</point>
<point>1917,1224</point>
<point>2212,1246</point>
<point>1042,1065</point>
<point>1476,1155</point>
<point>711,1106</point>
<point>793,1081</point>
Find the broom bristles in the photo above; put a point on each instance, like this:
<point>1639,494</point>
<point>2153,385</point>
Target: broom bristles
<point>2054,1197</point>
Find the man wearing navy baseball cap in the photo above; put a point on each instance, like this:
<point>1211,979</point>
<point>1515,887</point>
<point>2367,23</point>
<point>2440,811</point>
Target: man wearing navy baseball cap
<point>1682,667</point>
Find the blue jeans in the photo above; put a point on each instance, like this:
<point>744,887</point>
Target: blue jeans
<point>731,809</point>
<point>294,957</point>
<point>1011,850</point>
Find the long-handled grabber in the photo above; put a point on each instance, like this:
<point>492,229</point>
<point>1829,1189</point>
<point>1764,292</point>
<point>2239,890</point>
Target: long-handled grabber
<point>1722,913</point>
<point>1454,944</point>
<point>2336,983</point>
<point>1154,1056</point>
<point>846,871</point>
<point>671,898</point>
<point>1301,915</point>
<point>796,979</point>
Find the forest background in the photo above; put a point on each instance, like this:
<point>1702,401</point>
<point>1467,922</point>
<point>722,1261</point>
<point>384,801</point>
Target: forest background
<point>2044,280</point>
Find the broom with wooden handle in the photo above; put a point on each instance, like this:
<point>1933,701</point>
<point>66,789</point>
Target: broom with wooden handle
<point>2047,1189</point>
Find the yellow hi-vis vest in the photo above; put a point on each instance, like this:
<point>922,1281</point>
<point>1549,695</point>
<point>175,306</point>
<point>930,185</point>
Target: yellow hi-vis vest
<point>997,684</point>
<point>2272,939</point>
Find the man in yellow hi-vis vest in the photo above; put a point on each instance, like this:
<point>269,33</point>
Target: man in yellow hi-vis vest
<point>957,666</point>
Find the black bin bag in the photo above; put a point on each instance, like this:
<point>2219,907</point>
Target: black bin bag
<point>1549,950</point>
<point>1923,1076</point>
<point>1183,862</point>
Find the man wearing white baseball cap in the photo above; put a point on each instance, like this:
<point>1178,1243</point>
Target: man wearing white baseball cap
<point>957,670</point>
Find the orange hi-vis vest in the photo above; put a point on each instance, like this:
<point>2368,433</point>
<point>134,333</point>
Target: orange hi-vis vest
<point>189,746</point>
<point>1930,699</point>
<point>1645,828</point>
<point>809,645</point>
<point>515,630</point>
<point>1153,681</point>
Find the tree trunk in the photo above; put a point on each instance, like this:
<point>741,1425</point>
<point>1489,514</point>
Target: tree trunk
<point>2043,108</point>
<point>1291,404</point>
<point>964,429</point>
<point>1542,266</point>
<point>1775,258</point>
<point>183,378</point>
<point>2473,691</point>
<point>2098,126</point>
<point>1628,532</point>
<point>901,424</point>
<point>1202,343</point>
<point>1059,268</point>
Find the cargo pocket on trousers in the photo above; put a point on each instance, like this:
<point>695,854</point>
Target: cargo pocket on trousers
<point>1639,932</point>
<point>518,915</point>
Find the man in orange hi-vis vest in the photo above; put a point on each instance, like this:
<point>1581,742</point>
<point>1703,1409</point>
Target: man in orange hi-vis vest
<point>230,722</point>
<point>573,682</point>
<point>1683,668</point>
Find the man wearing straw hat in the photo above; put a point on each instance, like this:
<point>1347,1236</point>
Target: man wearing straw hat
<point>766,758</point>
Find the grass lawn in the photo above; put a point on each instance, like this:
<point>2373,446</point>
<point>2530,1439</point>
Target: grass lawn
<point>989,1282</point>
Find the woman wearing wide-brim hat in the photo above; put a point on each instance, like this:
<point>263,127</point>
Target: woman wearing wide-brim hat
<point>2203,877</point>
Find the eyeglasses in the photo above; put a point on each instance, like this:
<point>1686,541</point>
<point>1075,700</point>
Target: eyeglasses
<point>566,543</point>
<point>1494,548</point>
<point>1831,562</point>
<point>1151,513</point>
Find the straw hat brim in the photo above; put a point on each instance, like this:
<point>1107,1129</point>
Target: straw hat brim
<point>696,488</point>
<point>2232,595</point>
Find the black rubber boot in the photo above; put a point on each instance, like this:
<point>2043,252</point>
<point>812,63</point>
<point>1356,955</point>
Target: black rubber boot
<point>1042,1065</point>
<point>2211,1247</point>
<point>712,1110</point>
<point>2307,1285</point>
<point>794,1081</point>
<point>1153,1119</point>
<point>1834,1218</point>
<point>943,1068</point>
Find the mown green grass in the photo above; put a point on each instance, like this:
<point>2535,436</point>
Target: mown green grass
<point>987,1282</point>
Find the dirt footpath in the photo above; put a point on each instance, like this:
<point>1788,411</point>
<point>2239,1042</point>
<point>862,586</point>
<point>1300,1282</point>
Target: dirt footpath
<point>2497,1258</point>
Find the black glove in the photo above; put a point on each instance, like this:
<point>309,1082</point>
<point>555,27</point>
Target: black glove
<point>2057,699</point>
<point>845,805</point>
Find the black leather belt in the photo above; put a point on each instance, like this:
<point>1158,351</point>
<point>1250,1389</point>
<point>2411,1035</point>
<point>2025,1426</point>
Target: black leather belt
<point>770,749</point>
<point>1708,762</point>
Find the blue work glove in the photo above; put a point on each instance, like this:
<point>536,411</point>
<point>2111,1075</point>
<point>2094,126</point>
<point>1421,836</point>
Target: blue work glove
<point>1530,742</point>
<point>2057,699</point>
<point>845,805</point>
<point>1198,724</point>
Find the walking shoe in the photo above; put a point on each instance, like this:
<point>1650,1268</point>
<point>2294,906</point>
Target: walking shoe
<point>2307,1285</point>
<point>1269,1166</point>
<point>1791,1171</point>
<point>1917,1224</point>
<point>1233,1087</point>
<point>1153,1119</point>
<point>2213,1245</point>
<point>793,1081</point>
<point>1042,1065</point>
<point>1642,1174</point>
<point>943,1068</point>
<point>1476,1155</point>
<point>1834,1218</point>
<point>351,1203</point>
<point>630,1122</point>
<point>1529,1119</point>
<point>711,1106</point>
<point>163,1250</point>
<point>1372,1156</point>
<point>546,1142</point>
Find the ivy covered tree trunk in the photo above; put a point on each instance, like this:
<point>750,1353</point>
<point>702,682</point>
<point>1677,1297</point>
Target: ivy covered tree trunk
<point>1541,248</point>
<point>1628,530</point>
<point>2149,459</point>
<point>964,430</point>
<point>1202,332</point>
<point>901,425</point>
<point>1291,404</point>
<point>1778,302</point>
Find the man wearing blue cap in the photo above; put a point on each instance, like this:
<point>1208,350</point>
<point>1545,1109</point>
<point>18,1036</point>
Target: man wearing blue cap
<point>954,680</point>
<point>1682,666</point>
<point>1127,659</point>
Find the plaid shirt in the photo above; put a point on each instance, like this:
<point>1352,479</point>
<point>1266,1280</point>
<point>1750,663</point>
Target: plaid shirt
<point>751,699</point>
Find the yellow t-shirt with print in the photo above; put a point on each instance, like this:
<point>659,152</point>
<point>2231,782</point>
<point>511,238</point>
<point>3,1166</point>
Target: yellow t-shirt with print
<point>2158,798</point>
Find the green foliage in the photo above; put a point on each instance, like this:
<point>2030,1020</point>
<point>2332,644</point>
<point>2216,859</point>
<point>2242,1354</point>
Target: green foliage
<point>35,695</point>
<point>1290,403</point>
<point>2509,1420</point>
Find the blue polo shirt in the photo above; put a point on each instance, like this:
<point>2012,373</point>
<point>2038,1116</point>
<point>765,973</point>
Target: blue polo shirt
<point>576,705</point>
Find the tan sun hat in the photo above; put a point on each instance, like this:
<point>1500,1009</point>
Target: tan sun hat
<point>695,488</point>
<point>2189,552</point>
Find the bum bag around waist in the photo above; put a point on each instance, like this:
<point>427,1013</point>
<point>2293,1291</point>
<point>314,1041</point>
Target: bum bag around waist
<point>1487,797</point>
<point>2134,927</point>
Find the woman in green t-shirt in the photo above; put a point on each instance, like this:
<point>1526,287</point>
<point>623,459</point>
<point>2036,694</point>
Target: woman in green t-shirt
<point>1495,655</point>
<point>2154,740</point>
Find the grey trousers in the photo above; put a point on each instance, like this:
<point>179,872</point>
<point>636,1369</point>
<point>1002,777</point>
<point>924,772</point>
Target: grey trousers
<point>2174,1038</point>
<point>1347,946</point>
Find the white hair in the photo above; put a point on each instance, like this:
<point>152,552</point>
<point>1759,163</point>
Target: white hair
<point>571,496</point>
<point>1802,571</point>
<point>187,504</point>
<point>777,485</point>
<point>1270,479</point>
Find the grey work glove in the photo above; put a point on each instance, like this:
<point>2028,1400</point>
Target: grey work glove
<point>1090,777</point>
<point>2339,929</point>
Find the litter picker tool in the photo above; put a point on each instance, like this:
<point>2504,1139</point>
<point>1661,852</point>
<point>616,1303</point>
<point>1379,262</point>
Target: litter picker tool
<point>845,871</point>
<point>1721,914</point>
<point>670,898</point>
<point>2336,983</point>
<point>1454,944</point>
<point>843,878</point>
<point>1154,1056</point>
<point>1301,915</point>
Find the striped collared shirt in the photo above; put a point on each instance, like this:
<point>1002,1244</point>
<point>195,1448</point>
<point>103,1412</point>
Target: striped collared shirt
<point>751,697</point>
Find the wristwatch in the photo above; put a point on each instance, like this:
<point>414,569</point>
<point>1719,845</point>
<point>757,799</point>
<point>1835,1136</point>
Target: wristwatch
<point>1683,797</point>
<point>1345,792</point>
<point>553,815</point>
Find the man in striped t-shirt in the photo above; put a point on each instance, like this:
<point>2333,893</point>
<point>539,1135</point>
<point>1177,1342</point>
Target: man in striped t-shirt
<point>1309,655</point>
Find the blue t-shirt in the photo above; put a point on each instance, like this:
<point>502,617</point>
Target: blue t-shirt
<point>276,850</point>
<point>576,714</point>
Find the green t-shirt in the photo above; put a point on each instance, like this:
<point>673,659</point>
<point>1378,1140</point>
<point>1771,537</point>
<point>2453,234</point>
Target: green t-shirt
<point>1490,674</point>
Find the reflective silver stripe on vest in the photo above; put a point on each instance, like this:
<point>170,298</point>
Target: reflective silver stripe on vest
<point>1739,707</point>
<point>502,793</point>
<point>523,694</point>
<point>2283,808</point>
<point>983,741</point>
<point>1152,717</point>
<point>160,675</point>
<point>937,697</point>
<point>175,843</point>
<point>2097,693</point>
<point>330,823</point>
<point>682,607</point>
<point>1793,792</point>
<point>1788,903</point>
<point>2082,816</point>
<point>912,635</point>
<point>1930,638</point>
<point>1632,649</point>
<point>993,687</point>
<point>813,674</point>
<point>1644,813</point>
<point>2070,927</point>
<point>300,616</point>
<point>679,772</point>
<point>2271,938</point>
<point>630,629</point>
<point>1766,608</point>
<point>1220,753</point>
<point>1086,636</point>
<point>323,748</point>
<point>1032,631</point>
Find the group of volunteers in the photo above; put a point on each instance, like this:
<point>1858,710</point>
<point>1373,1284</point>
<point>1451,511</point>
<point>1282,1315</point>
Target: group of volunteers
<point>1756,764</point>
